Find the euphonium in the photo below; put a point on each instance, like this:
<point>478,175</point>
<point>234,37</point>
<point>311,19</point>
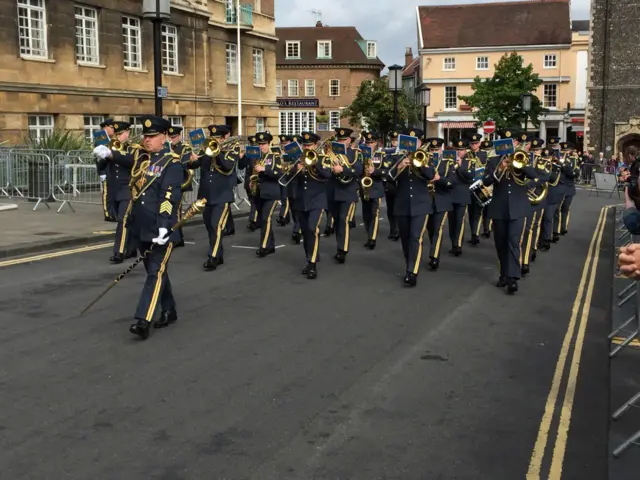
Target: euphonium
<point>534,198</point>
<point>187,182</point>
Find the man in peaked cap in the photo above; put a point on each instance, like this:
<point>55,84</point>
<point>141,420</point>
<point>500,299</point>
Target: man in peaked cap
<point>478,153</point>
<point>390,187</point>
<point>175,137</point>
<point>284,216</point>
<point>289,190</point>
<point>372,196</point>
<point>464,169</point>
<point>569,173</point>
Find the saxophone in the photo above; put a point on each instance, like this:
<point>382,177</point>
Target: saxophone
<point>254,178</point>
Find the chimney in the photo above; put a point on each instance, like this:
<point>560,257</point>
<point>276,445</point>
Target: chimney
<point>408,57</point>
<point>319,23</point>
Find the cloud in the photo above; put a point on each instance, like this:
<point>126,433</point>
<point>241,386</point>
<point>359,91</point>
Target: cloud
<point>391,22</point>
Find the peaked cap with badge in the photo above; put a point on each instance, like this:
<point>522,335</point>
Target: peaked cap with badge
<point>435,143</point>
<point>218,130</point>
<point>264,137</point>
<point>174,131</point>
<point>153,125</point>
<point>343,133</point>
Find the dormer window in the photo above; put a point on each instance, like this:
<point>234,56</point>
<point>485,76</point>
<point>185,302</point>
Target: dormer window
<point>293,49</point>
<point>324,48</point>
<point>372,49</point>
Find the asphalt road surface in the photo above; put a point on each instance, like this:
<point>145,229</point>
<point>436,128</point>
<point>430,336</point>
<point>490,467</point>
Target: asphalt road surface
<point>268,375</point>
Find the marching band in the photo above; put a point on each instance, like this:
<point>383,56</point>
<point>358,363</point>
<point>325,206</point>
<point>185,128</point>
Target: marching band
<point>511,188</point>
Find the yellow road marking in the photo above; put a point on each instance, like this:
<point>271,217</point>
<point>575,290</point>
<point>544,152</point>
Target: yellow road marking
<point>619,340</point>
<point>560,448</point>
<point>104,232</point>
<point>62,253</point>
<point>537,455</point>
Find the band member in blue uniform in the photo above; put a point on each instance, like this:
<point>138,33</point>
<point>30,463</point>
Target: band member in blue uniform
<point>119,194</point>
<point>480,159</point>
<point>107,202</point>
<point>570,171</point>
<point>284,217</point>
<point>464,170</point>
<point>247,164</point>
<point>508,209</point>
<point>542,166</point>
<point>441,199</point>
<point>412,209</point>
<point>390,187</point>
<point>343,192</point>
<point>372,196</point>
<point>175,137</point>
<point>309,199</point>
<point>216,186</point>
<point>486,146</point>
<point>268,171</point>
<point>554,197</point>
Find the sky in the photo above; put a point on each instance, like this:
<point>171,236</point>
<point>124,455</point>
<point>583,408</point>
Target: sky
<point>392,23</point>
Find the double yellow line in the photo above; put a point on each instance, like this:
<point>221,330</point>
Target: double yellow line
<point>581,304</point>
<point>61,253</point>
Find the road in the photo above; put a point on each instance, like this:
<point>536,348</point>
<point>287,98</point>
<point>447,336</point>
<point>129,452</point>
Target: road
<point>268,375</point>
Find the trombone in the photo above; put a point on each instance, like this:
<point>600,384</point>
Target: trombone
<point>420,158</point>
<point>309,160</point>
<point>516,162</point>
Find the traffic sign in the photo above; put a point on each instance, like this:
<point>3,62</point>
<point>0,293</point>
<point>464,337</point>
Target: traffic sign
<point>163,92</point>
<point>489,126</point>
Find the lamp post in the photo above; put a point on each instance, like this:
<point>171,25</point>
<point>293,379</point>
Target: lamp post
<point>395,84</point>
<point>525,101</point>
<point>425,100</point>
<point>157,11</point>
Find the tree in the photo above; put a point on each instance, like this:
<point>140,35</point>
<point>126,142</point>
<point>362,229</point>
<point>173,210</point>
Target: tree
<point>498,98</point>
<point>373,106</point>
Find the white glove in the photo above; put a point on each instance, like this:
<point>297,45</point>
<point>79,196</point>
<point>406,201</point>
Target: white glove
<point>103,178</point>
<point>162,237</point>
<point>102,151</point>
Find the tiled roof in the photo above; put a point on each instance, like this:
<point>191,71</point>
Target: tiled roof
<point>411,68</point>
<point>538,22</point>
<point>347,46</point>
<point>580,25</point>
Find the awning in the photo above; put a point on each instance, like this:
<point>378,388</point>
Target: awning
<point>459,125</point>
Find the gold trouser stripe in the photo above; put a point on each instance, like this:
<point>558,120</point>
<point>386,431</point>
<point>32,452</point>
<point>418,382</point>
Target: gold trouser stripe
<point>558,227</point>
<point>436,253</point>
<point>566,227</point>
<point>490,226</point>
<point>345,247</point>
<point>105,207</point>
<point>219,227</point>
<point>353,214</point>
<point>461,236</point>
<point>255,211</point>
<point>267,229</point>
<point>416,267</point>
<point>529,238</point>
<point>123,237</point>
<point>539,227</point>
<point>376,221</point>
<point>286,208</point>
<point>332,219</point>
<point>316,242</point>
<point>524,228</point>
<point>156,290</point>
<point>480,220</point>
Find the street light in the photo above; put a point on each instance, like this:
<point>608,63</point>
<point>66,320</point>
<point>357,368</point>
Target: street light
<point>525,100</point>
<point>395,84</point>
<point>157,11</point>
<point>425,100</point>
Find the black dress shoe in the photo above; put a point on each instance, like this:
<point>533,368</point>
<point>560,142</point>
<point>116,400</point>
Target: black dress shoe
<point>410,280</point>
<point>390,237</point>
<point>546,245</point>
<point>352,224</point>
<point>280,221</point>
<point>502,282</point>
<point>141,328</point>
<point>166,318</point>
<point>372,244</point>
<point>228,232</point>
<point>512,286</point>
<point>178,244</point>
<point>253,226</point>
<point>396,237</point>
<point>434,263</point>
<point>263,252</point>
<point>305,270</point>
<point>534,254</point>
<point>486,234</point>
<point>210,265</point>
<point>524,270</point>
<point>296,237</point>
<point>556,238</point>
<point>564,232</point>
<point>131,255</point>
<point>340,256</point>
<point>475,240</point>
<point>456,251</point>
<point>117,258</point>
<point>366,245</point>
<point>328,231</point>
<point>312,274</point>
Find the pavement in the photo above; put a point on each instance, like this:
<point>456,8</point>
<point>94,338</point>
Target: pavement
<point>267,375</point>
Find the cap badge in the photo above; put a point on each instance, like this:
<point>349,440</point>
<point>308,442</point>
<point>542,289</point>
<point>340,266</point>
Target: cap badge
<point>412,133</point>
<point>306,136</point>
<point>147,123</point>
<point>341,132</point>
<point>435,142</point>
<point>115,125</point>
<point>171,130</point>
<point>261,136</point>
<point>507,134</point>
<point>369,136</point>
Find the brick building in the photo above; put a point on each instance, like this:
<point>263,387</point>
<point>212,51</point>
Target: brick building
<point>614,89</point>
<point>319,71</point>
<point>66,64</point>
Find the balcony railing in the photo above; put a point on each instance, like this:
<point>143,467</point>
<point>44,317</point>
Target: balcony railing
<point>246,14</point>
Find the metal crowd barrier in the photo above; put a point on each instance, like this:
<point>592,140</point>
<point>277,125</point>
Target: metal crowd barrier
<point>26,174</point>
<point>630,328</point>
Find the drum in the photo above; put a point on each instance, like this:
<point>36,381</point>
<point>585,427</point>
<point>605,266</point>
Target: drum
<point>480,193</point>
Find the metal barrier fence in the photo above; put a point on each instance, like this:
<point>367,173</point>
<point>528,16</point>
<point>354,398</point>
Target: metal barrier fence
<point>630,329</point>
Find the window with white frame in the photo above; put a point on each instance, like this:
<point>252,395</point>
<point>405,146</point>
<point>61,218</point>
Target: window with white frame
<point>258,67</point>
<point>136,126</point>
<point>278,87</point>
<point>92,125</point>
<point>292,49</point>
<point>450,98</point>
<point>334,88</point>
<point>334,119</point>
<point>232,63</point>
<point>40,126</point>
<point>292,122</point>
<point>87,35</point>
<point>550,60</point>
<point>293,88</point>
<point>550,97</point>
<point>449,63</point>
<point>482,63</point>
<point>324,48</point>
<point>261,124</point>
<point>32,28</point>
<point>169,48</point>
<point>309,88</point>
<point>132,42</point>
<point>257,6</point>
<point>176,121</point>
<point>372,49</point>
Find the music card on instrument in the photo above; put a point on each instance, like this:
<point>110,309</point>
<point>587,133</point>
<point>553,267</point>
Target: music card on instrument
<point>366,152</point>
<point>478,173</point>
<point>100,138</point>
<point>339,148</point>
<point>504,146</point>
<point>293,150</point>
<point>276,149</point>
<point>253,152</point>
<point>197,137</point>
<point>408,143</point>
<point>450,155</point>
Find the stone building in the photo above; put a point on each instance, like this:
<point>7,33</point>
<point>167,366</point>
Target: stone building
<point>68,65</point>
<point>319,71</point>
<point>614,85</point>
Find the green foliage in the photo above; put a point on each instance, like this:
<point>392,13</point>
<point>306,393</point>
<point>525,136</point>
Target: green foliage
<point>498,98</point>
<point>374,105</point>
<point>58,140</point>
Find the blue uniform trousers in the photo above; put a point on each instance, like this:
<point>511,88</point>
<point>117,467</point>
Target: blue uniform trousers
<point>508,236</point>
<point>475,218</point>
<point>229,224</point>
<point>107,203</point>
<point>435,225</point>
<point>565,213</point>
<point>310,224</point>
<point>215,218</point>
<point>456,224</point>
<point>284,203</point>
<point>330,221</point>
<point>342,212</point>
<point>390,197</point>
<point>529,239</point>
<point>551,212</point>
<point>157,285</point>
<point>265,209</point>
<point>371,216</point>
<point>123,242</point>
<point>412,231</point>
<point>297,228</point>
